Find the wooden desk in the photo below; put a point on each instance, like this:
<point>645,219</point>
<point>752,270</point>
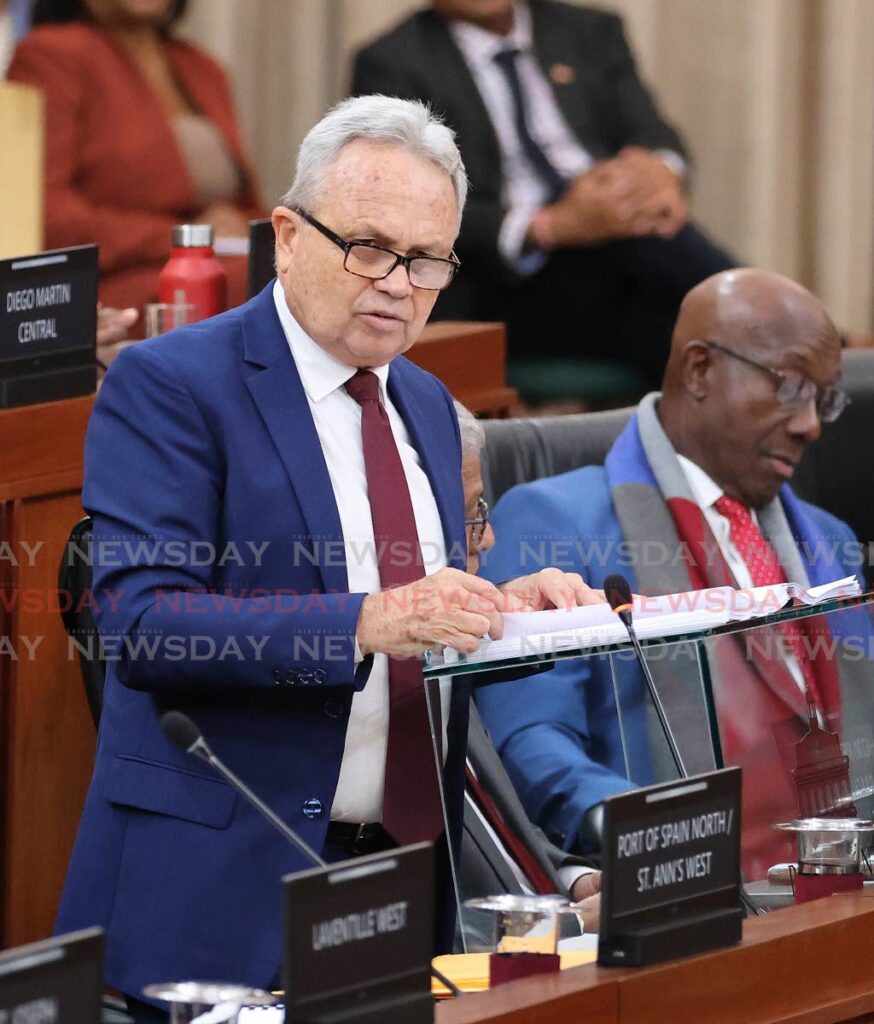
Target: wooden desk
<point>810,964</point>
<point>471,360</point>
<point>47,738</point>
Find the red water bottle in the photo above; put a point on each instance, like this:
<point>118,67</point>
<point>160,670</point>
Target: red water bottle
<point>193,275</point>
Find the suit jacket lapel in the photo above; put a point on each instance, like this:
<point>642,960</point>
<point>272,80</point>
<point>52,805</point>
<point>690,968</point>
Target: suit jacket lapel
<point>438,458</point>
<point>574,96</point>
<point>282,403</point>
<point>493,778</point>
<point>447,65</point>
<point>491,856</point>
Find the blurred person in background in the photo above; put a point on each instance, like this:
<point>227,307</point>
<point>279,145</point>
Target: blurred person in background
<point>141,134</point>
<point>14,22</point>
<point>577,231</point>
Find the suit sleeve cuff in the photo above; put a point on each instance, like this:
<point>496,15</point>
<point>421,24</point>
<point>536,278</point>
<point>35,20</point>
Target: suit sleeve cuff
<point>511,242</point>
<point>570,873</point>
<point>673,161</point>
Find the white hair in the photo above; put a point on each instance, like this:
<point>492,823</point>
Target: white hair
<point>387,119</point>
<point>473,437</point>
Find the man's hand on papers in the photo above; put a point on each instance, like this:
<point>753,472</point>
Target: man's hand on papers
<point>449,609</point>
<point>549,588</point>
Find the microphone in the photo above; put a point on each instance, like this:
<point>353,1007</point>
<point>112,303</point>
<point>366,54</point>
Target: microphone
<point>182,732</point>
<point>618,594</point>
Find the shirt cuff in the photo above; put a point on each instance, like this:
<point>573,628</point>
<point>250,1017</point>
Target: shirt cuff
<point>571,872</point>
<point>358,657</point>
<point>511,242</point>
<point>673,161</point>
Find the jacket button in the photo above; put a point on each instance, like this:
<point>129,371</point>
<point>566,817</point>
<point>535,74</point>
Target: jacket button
<point>312,808</point>
<point>334,707</point>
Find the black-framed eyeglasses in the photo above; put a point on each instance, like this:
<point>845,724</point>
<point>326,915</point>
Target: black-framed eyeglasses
<point>366,259</point>
<point>794,390</point>
<point>479,524</point>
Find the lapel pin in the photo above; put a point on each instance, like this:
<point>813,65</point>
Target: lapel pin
<point>562,74</point>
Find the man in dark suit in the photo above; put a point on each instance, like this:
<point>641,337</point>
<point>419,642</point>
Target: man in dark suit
<point>501,850</point>
<point>576,232</point>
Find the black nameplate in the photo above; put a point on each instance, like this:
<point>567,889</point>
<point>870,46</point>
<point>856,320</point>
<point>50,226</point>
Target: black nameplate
<point>48,325</point>
<point>671,863</point>
<point>58,981</point>
<point>359,938</point>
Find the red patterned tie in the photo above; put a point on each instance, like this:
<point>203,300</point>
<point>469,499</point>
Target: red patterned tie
<point>411,802</point>
<point>761,560</point>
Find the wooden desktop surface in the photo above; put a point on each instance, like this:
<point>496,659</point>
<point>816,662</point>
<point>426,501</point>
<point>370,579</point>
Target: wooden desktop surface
<point>809,964</point>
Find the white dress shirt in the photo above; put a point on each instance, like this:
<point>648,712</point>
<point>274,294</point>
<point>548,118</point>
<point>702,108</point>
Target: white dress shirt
<point>524,191</point>
<point>706,493</point>
<point>337,417</point>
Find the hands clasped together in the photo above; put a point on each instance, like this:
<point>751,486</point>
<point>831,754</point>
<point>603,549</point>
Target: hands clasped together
<point>630,196</point>
<point>455,609</point>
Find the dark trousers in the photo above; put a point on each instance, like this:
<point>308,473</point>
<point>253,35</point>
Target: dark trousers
<point>616,301</point>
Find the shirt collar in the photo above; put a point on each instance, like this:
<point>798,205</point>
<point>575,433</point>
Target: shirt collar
<point>320,373</point>
<point>480,46</point>
<point>705,490</point>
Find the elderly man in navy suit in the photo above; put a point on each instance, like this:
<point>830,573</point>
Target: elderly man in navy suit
<point>279,520</point>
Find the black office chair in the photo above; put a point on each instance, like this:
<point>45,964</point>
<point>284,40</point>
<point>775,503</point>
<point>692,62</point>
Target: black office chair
<point>74,579</point>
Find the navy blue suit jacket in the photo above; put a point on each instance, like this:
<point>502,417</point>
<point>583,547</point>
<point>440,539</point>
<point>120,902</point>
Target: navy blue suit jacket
<point>222,590</point>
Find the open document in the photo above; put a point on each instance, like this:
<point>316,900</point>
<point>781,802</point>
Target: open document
<point>550,632</point>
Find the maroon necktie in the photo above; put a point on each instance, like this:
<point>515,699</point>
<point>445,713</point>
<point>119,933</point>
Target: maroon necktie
<point>411,802</point>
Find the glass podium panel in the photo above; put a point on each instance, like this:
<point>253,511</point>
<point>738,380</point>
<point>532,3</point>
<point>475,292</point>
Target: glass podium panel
<point>751,709</point>
<point>737,695</point>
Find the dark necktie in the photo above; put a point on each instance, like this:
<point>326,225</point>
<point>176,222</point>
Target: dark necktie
<point>411,802</point>
<point>540,162</point>
<point>538,879</point>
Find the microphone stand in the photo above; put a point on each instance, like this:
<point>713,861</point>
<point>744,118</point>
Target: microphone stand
<point>625,615</point>
<point>202,750</point>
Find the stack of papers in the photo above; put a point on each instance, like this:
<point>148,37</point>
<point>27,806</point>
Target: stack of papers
<point>550,632</point>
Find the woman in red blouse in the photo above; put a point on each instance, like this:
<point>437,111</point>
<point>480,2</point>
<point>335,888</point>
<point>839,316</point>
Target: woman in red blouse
<point>141,134</point>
